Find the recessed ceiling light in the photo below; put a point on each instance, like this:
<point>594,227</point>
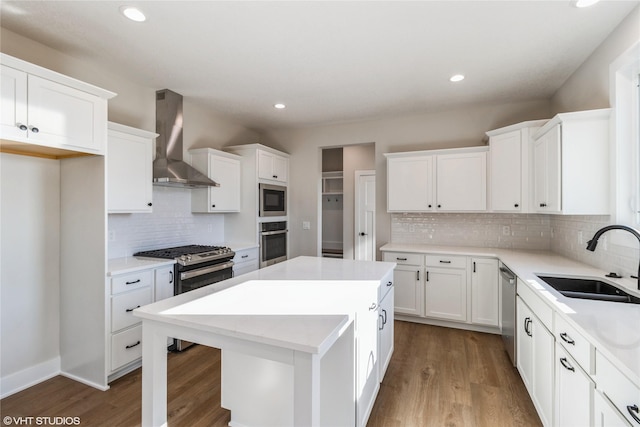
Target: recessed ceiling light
<point>133,13</point>
<point>279,106</point>
<point>456,78</point>
<point>586,3</point>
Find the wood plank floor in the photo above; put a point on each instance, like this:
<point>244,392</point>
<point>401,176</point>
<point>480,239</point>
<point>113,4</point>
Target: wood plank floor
<point>437,377</point>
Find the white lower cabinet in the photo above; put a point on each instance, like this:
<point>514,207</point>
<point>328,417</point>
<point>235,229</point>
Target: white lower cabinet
<point>485,292</point>
<point>605,414</point>
<point>446,288</point>
<point>574,392</point>
<point>245,261</point>
<point>163,287</point>
<point>618,389</point>
<point>535,360</point>
<point>385,332</point>
<point>409,282</point>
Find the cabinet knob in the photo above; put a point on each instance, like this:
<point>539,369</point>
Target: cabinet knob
<point>429,205</point>
<point>543,205</point>
<point>213,206</point>
<point>275,176</point>
<point>21,126</point>
<point>516,205</point>
<point>34,129</point>
<point>149,204</point>
<point>439,206</point>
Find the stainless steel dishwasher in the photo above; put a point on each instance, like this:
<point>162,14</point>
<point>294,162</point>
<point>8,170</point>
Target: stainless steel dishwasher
<point>508,284</point>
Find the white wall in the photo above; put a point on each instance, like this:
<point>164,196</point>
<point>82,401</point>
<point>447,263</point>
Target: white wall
<point>462,127</point>
<point>29,269</point>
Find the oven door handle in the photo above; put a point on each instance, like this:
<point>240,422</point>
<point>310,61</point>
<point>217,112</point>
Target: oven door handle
<point>271,233</point>
<point>205,270</point>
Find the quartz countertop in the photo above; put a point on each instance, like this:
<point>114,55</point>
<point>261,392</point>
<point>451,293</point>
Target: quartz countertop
<point>613,328</point>
<point>292,304</point>
<point>131,264</point>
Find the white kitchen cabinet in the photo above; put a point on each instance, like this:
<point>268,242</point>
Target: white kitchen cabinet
<point>223,168</point>
<point>535,360</point>
<point>129,169</point>
<point>164,287</point>
<point>446,288</point>
<point>46,109</point>
<point>452,180</point>
<point>408,282</point>
<point>410,183</point>
<point>509,170</point>
<point>485,292</point>
<point>272,167</point>
<point>605,414</point>
<point>245,261</point>
<point>574,392</point>
<point>618,389</point>
<point>385,328</point>
<point>461,182</point>
<point>571,164</point>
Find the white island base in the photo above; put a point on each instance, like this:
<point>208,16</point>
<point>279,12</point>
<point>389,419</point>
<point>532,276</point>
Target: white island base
<point>294,352</point>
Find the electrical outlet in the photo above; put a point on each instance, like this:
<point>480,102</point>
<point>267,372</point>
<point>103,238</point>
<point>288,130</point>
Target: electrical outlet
<point>306,225</point>
<point>506,230</point>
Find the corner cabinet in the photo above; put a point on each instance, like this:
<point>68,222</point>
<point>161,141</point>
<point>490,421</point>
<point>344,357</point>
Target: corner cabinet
<point>129,169</point>
<point>41,108</point>
<point>223,168</point>
<point>571,164</point>
<point>452,180</point>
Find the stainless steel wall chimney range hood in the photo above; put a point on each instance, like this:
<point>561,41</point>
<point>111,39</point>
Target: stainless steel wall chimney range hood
<point>168,168</point>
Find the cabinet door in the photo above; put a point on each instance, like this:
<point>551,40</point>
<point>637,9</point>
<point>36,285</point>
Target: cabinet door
<point>506,172</point>
<point>13,106</point>
<point>385,333</point>
<point>408,290</point>
<point>280,168</point>
<point>272,167</point>
<point>543,372</point>
<point>163,283</point>
<point>574,392</point>
<point>605,414</point>
<point>410,184</point>
<point>446,294</point>
<point>65,117</point>
<point>461,181</point>
<point>129,173</point>
<point>485,292</point>
<point>524,343</point>
<point>225,172</point>
<point>547,172</point>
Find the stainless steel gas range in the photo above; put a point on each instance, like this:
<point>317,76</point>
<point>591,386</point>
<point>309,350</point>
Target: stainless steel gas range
<point>196,266</point>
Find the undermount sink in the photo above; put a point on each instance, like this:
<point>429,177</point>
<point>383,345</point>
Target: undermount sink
<point>588,288</point>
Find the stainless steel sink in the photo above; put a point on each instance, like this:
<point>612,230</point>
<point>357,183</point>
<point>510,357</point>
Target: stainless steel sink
<point>588,288</point>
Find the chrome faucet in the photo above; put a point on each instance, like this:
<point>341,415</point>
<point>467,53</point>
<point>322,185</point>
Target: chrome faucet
<point>591,244</point>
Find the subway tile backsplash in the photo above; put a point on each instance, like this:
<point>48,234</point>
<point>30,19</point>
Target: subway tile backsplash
<point>170,224</point>
<point>565,235</point>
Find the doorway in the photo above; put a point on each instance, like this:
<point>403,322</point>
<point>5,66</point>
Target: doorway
<point>365,216</point>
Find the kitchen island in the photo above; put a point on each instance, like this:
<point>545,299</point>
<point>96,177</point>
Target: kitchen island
<point>299,340</point>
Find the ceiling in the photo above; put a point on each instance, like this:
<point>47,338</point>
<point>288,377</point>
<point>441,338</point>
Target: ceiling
<point>328,61</point>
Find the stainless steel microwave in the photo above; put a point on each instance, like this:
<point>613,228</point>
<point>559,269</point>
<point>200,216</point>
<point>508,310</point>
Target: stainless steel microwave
<point>273,200</point>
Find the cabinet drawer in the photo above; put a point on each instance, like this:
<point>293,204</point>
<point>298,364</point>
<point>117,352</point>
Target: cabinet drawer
<point>403,258</point>
<point>126,346</point>
<point>622,392</point>
<point>122,307</point>
<point>385,286</point>
<point>128,282</point>
<point>245,255</point>
<point>539,308</point>
<point>446,261</point>
<point>575,344</point>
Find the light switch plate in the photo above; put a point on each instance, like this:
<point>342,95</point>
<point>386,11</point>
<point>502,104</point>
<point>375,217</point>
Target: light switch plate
<point>306,225</point>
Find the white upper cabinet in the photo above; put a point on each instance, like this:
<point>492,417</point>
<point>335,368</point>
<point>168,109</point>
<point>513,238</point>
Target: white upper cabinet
<point>452,180</point>
<point>223,168</point>
<point>509,170</point>
<point>129,169</point>
<point>46,109</point>
<point>571,164</point>
<point>272,167</point>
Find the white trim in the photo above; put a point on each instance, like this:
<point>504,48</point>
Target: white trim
<point>87,382</point>
<point>356,210</point>
<point>18,381</point>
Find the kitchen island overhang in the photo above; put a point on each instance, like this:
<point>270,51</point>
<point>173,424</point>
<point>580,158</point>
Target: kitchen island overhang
<point>298,341</point>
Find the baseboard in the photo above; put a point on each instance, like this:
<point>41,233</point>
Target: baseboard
<point>85,382</point>
<point>13,383</point>
<point>448,324</point>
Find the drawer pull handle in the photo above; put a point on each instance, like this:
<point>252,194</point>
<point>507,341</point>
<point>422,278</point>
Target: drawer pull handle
<point>401,259</point>
<point>373,306</point>
<point>566,338</point>
<point>129,310</point>
<point>244,256</point>
<point>632,409</point>
<point>132,345</point>
<point>444,262</point>
<point>566,364</point>
<point>389,283</point>
<point>381,327</point>
<point>131,283</point>
<point>527,324</point>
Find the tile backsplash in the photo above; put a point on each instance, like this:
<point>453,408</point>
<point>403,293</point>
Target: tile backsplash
<point>565,235</point>
<point>170,224</point>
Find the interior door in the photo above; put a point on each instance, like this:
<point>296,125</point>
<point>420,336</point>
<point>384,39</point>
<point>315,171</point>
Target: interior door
<point>365,229</point>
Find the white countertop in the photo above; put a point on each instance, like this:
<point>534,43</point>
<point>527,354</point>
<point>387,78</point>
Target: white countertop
<point>131,264</point>
<point>614,328</point>
<point>291,304</point>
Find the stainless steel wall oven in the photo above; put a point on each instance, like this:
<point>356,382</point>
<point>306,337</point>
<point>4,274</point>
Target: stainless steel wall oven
<point>273,242</point>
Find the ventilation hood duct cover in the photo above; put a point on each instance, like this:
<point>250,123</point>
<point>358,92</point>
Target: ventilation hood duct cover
<point>168,168</point>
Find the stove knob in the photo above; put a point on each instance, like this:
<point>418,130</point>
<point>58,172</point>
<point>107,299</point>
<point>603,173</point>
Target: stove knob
<point>189,257</point>
<point>183,257</point>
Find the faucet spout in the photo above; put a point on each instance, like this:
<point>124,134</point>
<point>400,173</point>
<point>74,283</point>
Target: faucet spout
<point>591,244</point>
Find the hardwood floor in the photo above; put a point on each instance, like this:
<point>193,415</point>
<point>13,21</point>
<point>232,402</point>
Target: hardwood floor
<point>437,377</point>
